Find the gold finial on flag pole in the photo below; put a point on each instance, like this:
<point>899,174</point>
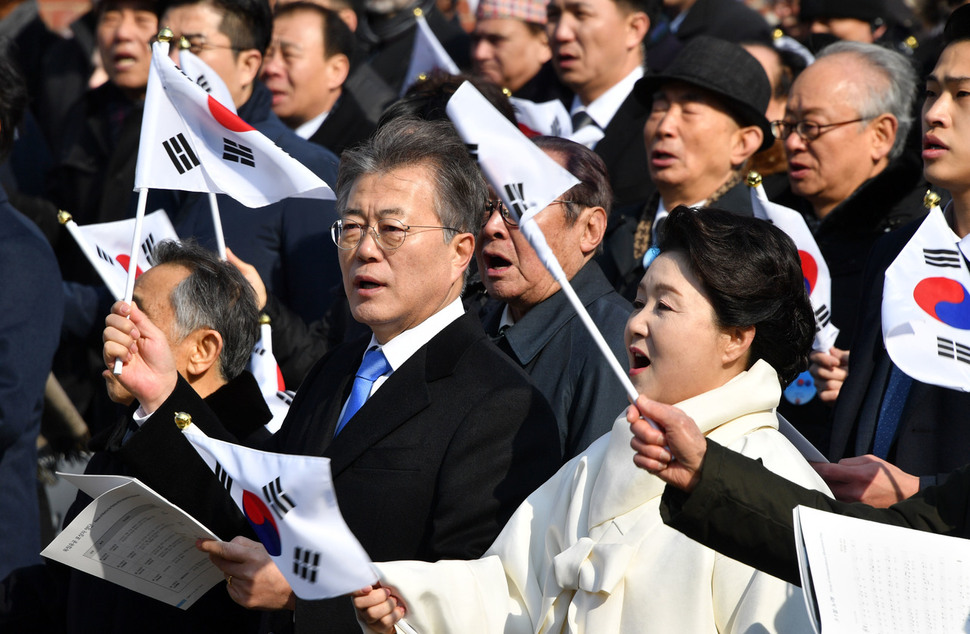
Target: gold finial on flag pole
<point>931,199</point>
<point>165,35</point>
<point>753,179</point>
<point>63,217</point>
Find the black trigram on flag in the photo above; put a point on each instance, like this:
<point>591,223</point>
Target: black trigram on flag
<point>204,83</point>
<point>953,350</point>
<point>104,255</point>
<point>238,153</point>
<point>514,192</point>
<point>224,478</point>
<point>148,248</point>
<point>183,158</point>
<point>823,316</point>
<point>277,499</point>
<point>943,258</point>
<point>259,351</point>
<point>286,397</point>
<point>305,564</point>
<point>472,151</point>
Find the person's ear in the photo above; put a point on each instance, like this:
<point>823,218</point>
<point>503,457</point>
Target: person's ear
<point>736,345</point>
<point>248,63</point>
<point>339,66</point>
<point>637,26</point>
<point>463,250</point>
<point>746,142</point>
<point>205,346</point>
<point>594,228</point>
<point>883,132</point>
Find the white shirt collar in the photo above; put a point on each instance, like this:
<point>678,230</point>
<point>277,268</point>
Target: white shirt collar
<point>308,129</point>
<point>663,213</point>
<point>602,109</point>
<point>400,348</point>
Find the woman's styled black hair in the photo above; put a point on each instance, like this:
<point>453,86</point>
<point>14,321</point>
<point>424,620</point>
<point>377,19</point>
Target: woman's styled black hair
<point>752,275</point>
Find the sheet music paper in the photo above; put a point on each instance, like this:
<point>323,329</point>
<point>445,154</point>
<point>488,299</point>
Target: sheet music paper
<point>870,577</point>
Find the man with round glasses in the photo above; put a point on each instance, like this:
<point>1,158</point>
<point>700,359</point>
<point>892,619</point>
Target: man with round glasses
<point>428,426</point>
<point>533,322</point>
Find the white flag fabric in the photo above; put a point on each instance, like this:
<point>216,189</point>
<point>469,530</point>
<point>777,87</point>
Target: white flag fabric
<point>549,118</point>
<point>290,503</point>
<point>191,142</point>
<point>926,307</point>
<point>818,281</point>
<point>107,246</point>
<point>524,177</point>
<point>427,55</point>
<point>263,366</point>
<point>208,79</point>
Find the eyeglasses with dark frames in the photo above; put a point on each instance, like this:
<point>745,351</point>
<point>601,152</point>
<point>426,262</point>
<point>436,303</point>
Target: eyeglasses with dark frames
<point>389,233</point>
<point>807,131</point>
<point>506,215</point>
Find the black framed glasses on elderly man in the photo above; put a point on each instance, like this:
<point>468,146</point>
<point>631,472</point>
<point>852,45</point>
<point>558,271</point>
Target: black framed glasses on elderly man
<point>808,131</point>
<point>389,233</point>
<point>507,216</point>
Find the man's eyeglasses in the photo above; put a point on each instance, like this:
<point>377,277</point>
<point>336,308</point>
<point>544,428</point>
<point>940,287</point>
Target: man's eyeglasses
<point>808,131</point>
<point>389,233</point>
<point>510,221</point>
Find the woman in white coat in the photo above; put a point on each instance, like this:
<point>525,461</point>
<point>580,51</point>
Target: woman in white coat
<point>721,322</point>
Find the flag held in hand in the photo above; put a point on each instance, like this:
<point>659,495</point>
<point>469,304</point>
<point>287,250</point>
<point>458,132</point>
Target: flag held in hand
<point>290,503</point>
<point>192,142</point>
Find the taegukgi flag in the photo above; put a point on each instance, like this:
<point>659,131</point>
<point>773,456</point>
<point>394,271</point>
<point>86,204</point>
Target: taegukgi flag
<point>290,503</point>
<point>926,306</point>
<point>208,79</point>
<point>818,281</point>
<point>263,366</point>
<point>107,246</point>
<point>524,177</point>
<point>427,54</point>
<point>192,142</point>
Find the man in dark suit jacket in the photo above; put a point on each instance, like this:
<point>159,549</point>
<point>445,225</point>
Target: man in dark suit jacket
<point>203,312</point>
<point>600,60</point>
<point>305,68</point>
<point>453,436</point>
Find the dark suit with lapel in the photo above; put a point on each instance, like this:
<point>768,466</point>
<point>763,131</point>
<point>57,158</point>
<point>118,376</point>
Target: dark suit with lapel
<point>933,437</point>
<point>622,150</point>
<point>435,461</point>
<point>344,127</point>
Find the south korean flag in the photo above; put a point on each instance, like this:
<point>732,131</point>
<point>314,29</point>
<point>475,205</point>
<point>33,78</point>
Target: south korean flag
<point>290,503</point>
<point>926,307</point>
<point>815,272</point>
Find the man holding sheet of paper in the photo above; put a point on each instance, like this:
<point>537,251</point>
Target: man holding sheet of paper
<point>426,423</point>
<point>200,314</point>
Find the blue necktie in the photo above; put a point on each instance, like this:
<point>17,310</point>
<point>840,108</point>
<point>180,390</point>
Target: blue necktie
<point>372,367</point>
<point>893,402</point>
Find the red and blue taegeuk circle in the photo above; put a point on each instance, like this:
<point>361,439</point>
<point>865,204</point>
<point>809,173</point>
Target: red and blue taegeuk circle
<point>945,300</point>
<point>261,519</point>
<point>809,270</point>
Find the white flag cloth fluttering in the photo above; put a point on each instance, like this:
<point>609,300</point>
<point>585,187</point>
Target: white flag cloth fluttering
<point>191,142</point>
<point>549,118</point>
<point>427,55</point>
<point>523,176</point>
<point>107,246</point>
<point>926,306</point>
<point>208,79</point>
<point>290,503</point>
<point>263,366</point>
<point>818,281</point>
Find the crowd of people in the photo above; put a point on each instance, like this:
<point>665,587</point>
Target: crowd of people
<point>482,448</point>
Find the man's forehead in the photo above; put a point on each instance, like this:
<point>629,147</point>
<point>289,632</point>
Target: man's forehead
<point>119,5</point>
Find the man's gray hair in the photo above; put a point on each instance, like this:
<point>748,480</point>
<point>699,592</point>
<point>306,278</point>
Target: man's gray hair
<point>214,295</point>
<point>891,88</point>
<point>460,195</point>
